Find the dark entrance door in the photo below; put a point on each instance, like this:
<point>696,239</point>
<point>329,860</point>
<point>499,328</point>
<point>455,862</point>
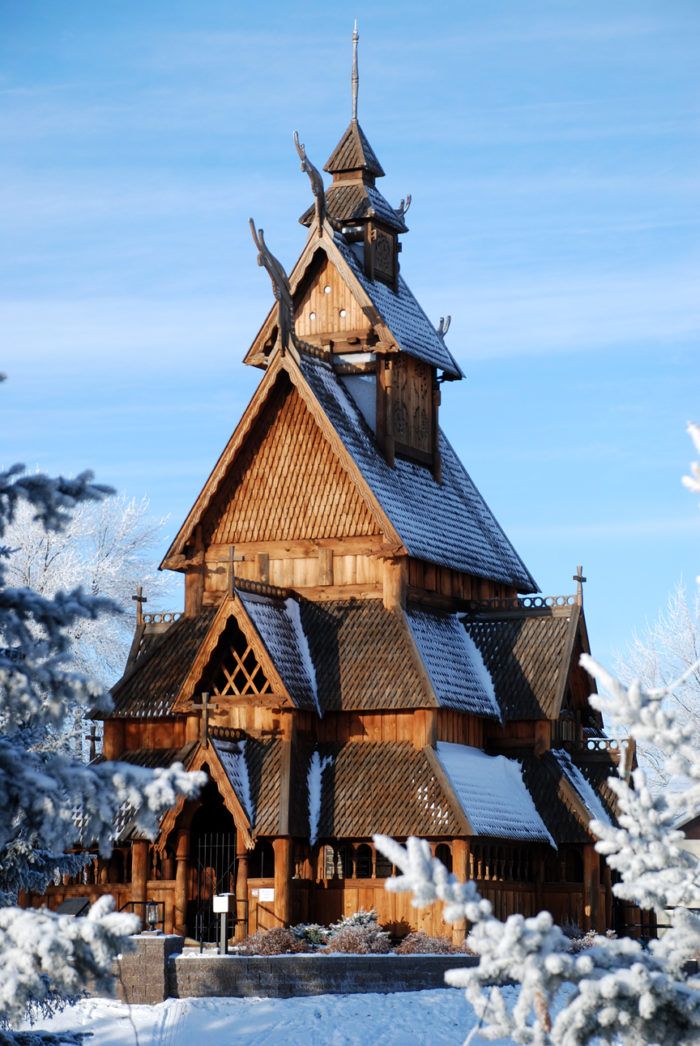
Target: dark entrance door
<point>213,865</point>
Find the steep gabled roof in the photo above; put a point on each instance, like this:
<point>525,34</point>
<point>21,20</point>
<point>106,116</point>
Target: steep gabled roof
<point>278,624</point>
<point>398,319</point>
<point>446,522</point>
<point>254,769</point>
<point>529,654</point>
<point>401,313</point>
<point>354,153</point>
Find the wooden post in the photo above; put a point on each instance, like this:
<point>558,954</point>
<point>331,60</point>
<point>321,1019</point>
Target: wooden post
<point>113,738</point>
<point>325,566</point>
<point>283,880</point>
<point>591,888</point>
<point>241,928</point>
<point>395,572</point>
<point>139,873</point>
<point>182,861</point>
<point>460,867</point>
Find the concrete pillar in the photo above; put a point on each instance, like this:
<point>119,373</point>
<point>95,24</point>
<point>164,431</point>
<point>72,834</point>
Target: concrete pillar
<point>242,920</point>
<point>182,862</point>
<point>283,880</point>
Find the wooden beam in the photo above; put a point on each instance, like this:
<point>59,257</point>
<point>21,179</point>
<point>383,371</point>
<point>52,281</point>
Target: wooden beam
<point>395,577</point>
<point>283,880</point>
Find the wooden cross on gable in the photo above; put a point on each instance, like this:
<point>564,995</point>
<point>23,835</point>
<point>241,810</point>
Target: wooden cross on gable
<point>204,709</point>
<point>579,579</point>
<point>139,599</point>
<point>230,562</point>
<point>93,737</point>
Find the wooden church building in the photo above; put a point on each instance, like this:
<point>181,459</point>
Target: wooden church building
<point>360,649</point>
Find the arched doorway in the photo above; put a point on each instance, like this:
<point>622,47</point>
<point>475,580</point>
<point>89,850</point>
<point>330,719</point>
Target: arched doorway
<point>212,863</point>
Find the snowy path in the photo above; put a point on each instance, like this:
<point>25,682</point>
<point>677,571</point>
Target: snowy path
<point>432,1017</point>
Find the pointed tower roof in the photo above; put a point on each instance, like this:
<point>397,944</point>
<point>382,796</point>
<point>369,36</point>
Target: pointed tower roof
<point>354,153</point>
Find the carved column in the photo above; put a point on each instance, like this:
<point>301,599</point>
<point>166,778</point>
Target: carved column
<point>242,920</point>
<point>182,861</point>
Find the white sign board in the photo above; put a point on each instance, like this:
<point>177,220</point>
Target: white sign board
<point>266,893</point>
<point>223,902</point>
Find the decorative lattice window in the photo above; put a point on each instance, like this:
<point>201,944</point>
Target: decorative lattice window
<point>234,669</point>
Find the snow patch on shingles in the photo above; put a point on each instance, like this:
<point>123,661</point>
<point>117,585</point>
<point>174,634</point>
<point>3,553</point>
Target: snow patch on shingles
<point>314,782</point>
<point>233,759</point>
<point>587,793</point>
<point>292,608</point>
<point>482,672</point>
<point>492,793</point>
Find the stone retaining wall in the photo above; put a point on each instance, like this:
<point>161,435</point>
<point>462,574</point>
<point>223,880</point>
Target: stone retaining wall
<point>156,969</point>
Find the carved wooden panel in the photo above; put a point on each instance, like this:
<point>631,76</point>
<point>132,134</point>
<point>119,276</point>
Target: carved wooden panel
<point>412,405</point>
<point>234,669</point>
<point>327,307</point>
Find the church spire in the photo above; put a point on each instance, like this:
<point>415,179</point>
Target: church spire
<point>355,74</point>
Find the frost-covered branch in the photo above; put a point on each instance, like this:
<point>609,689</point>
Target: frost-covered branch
<point>617,991</point>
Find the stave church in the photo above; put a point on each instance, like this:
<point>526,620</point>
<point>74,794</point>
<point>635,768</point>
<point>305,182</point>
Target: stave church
<point>361,649</point>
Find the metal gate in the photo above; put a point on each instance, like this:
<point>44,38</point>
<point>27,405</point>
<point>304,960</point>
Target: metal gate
<point>214,872</point>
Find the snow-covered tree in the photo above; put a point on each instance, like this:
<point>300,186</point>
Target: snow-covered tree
<point>47,799</point>
<point>107,548</point>
<point>664,651</point>
<point>617,991</point>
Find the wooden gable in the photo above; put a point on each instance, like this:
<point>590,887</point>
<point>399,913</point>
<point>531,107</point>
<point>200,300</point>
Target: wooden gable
<point>327,310</point>
<point>287,483</point>
<point>233,665</point>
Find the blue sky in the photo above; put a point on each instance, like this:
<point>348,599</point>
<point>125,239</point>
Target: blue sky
<point>552,153</point>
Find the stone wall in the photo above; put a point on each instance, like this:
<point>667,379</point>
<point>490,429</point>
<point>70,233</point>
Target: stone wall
<point>156,969</point>
<point>283,976</point>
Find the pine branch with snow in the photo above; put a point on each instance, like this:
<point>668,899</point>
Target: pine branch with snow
<point>617,991</point>
<point>50,802</point>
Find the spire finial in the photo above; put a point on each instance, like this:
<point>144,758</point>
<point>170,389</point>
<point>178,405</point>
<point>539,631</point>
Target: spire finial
<point>355,74</point>
<point>579,579</point>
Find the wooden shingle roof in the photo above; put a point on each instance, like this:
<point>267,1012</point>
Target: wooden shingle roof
<point>386,787</point>
<point>528,654</point>
<point>262,761</point>
<point>354,153</point>
<point>446,522</point>
<point>149,688</point>
<point>348,202</point>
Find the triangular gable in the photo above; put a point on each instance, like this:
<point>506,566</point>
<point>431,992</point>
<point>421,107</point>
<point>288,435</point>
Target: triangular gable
<point>233,664</point>
<point>304,271</point>
<point>281,365</point>
<point>207,758</point>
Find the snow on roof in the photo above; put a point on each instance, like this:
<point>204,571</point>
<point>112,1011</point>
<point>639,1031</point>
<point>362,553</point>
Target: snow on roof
<point>491,791</point>
<point>402,314</point>
<point>583,787</point>
<point>232,756</point>
<point>447,522</point>
<point>281,631</point>
<point>455,666</point>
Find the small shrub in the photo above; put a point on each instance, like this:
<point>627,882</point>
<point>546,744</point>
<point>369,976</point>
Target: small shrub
<point>278,941</point>
<point>311,933</point>
<point>420,943</point>
<point>359,934</point>
<point>367,919</point>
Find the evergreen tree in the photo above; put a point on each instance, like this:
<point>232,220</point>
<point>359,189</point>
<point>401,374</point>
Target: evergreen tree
<point>49,801</point>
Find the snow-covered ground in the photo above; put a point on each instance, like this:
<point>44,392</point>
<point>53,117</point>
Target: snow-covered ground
<point>437,1017</point>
